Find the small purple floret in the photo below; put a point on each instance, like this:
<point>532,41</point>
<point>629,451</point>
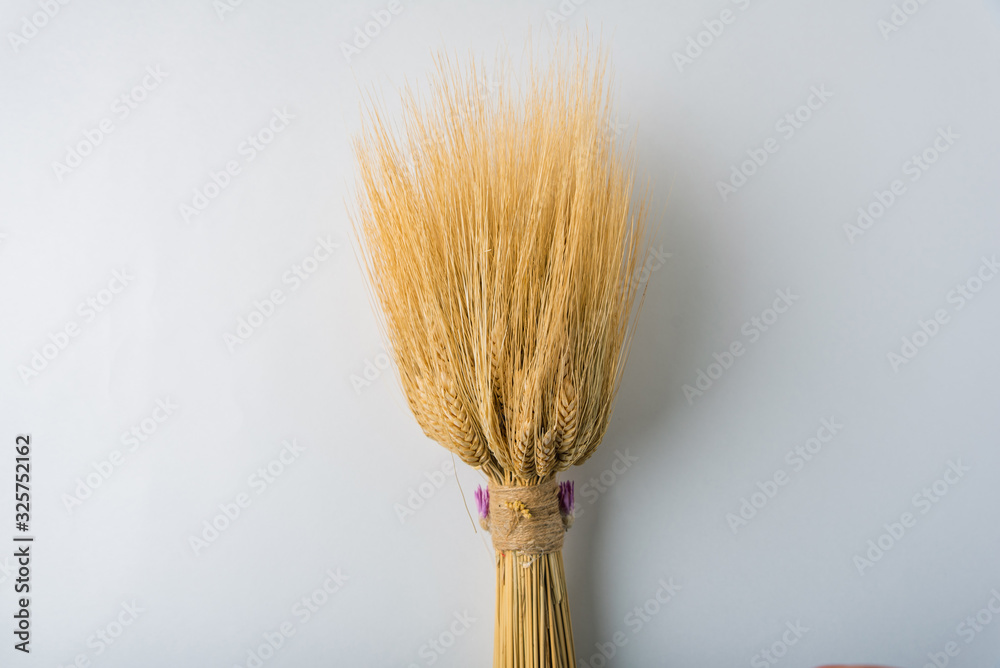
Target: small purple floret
<point>483,500</point>
<point>566,497</point>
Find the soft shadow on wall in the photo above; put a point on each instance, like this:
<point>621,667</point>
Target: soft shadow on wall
<point>667,334</point>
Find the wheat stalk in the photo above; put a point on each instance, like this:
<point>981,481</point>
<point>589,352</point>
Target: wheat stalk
<point>499,235</point>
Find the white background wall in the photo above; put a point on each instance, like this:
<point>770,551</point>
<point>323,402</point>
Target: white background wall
<point>795,562</point>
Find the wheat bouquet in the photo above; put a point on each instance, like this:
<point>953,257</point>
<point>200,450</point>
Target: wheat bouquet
<point>500,239</point>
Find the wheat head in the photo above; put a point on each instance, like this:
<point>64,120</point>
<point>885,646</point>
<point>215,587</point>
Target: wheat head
<point>500,233</point>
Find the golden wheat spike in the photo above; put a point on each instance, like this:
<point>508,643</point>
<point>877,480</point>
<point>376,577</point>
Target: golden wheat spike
<point>546,453</point>
<point>567,415</point>
<point>499,236</point>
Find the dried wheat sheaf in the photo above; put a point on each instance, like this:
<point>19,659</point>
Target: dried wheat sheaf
<point>501,238</point>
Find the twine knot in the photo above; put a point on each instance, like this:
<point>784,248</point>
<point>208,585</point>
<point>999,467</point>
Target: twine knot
<point>531,518</point>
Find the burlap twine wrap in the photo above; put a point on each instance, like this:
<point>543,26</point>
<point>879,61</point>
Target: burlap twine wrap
<point>526,519</point>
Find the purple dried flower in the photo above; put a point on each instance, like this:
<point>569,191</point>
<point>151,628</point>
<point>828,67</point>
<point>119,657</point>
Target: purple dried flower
<point>483,501</point>
<point>566,497</point>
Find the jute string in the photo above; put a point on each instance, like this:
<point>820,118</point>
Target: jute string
<point>526,519</point>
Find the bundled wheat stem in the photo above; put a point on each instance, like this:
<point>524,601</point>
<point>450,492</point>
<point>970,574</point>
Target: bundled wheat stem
<point>500,240</point>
